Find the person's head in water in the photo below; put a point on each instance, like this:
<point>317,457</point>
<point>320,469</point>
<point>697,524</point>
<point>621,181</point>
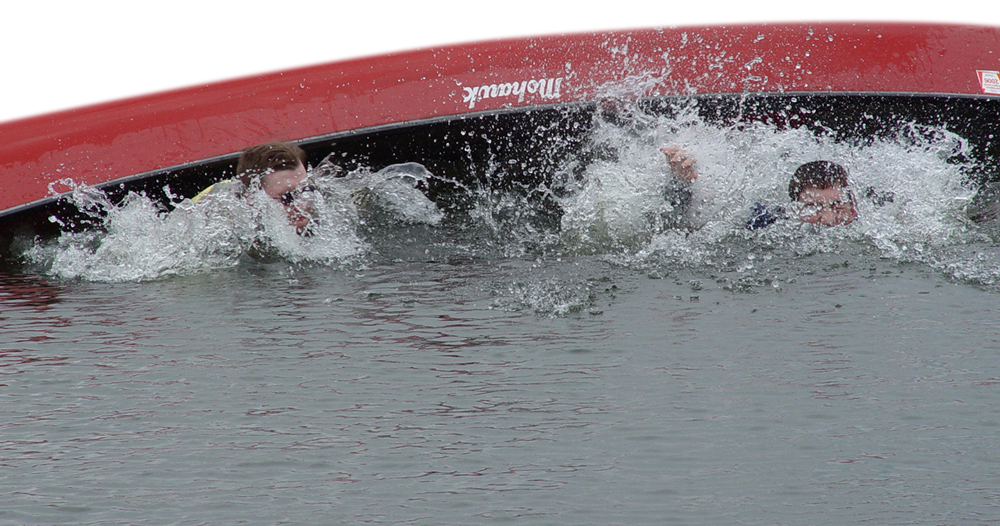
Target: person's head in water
<point>820,190</point>
<point>279,169</point>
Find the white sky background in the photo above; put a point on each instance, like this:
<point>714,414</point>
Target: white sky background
<point>58,55</point>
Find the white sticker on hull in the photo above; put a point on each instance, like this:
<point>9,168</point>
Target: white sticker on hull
<point>990,81</point>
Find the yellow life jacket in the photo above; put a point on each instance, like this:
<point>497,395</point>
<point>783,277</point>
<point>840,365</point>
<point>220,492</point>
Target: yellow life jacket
<point>230,186</point>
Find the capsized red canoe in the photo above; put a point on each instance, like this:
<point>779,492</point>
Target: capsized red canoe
<point>451,107</point>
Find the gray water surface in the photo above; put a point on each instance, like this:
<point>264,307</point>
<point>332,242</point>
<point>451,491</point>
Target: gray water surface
<point>500,364</point>
<point>434,393</point>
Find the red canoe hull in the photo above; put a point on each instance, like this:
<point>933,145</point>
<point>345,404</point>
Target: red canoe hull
<point>135,139</point>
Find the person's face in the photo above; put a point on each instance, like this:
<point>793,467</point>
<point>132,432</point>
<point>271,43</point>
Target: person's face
<point>825,206</point>
<point>289,188</point>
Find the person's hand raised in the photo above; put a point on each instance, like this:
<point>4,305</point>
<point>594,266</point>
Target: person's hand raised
<point>682,165</point>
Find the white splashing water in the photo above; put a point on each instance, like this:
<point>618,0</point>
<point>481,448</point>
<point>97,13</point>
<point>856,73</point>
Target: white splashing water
<point>140,240</point>
<point>620,205</point>
<point>617,209</point>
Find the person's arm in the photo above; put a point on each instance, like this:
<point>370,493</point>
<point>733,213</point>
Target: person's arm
<point>677,194</point>
<point>694,198</point>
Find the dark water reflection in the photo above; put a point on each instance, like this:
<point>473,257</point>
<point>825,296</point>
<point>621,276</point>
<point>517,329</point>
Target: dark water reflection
<point>449,394</point>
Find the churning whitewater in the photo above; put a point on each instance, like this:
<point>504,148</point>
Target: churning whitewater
<point>915,194</point>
